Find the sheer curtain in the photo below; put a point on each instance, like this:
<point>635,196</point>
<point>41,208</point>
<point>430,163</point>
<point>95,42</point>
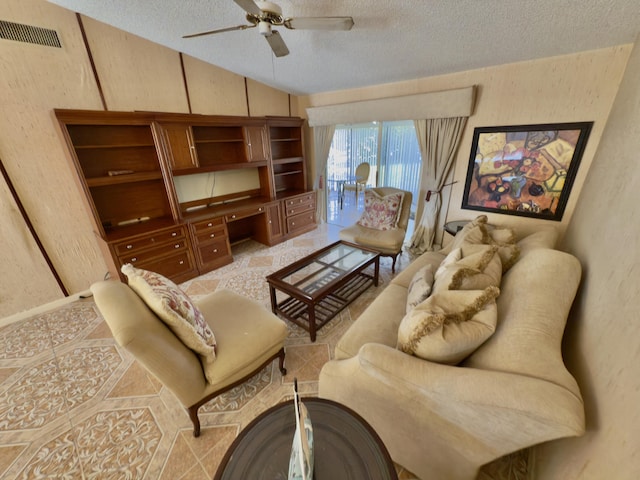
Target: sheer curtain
<point>439,139</point>
<point>322,137</point>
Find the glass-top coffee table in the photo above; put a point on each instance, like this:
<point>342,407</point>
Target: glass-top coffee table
<point>317,287</point>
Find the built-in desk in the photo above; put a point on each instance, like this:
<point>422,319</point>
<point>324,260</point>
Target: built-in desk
<point>216,227</point>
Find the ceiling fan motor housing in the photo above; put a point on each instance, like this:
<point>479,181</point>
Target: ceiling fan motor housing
<point>270,14</point>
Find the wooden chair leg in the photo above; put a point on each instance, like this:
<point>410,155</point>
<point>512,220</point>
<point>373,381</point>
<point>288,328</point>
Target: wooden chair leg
<point>393,265</point>
<point>283,370</point>
<point>193,414</point>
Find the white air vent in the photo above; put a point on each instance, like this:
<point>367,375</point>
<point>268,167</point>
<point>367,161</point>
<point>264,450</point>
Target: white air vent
<point>29,34</point>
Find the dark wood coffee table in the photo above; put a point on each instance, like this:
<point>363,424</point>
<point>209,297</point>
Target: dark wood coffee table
<point>345,446</point>
<point>318,286</point>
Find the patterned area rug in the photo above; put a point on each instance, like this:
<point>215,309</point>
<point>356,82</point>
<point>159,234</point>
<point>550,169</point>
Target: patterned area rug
<point>74,405</point>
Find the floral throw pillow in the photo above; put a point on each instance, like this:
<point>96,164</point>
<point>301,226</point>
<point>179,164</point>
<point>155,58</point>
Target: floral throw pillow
<point>175,309</point>
<point>381,213</point>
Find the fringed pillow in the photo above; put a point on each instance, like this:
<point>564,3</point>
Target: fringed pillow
<point>479,232</point>
<point>448,326</point>
<point>478,268</point>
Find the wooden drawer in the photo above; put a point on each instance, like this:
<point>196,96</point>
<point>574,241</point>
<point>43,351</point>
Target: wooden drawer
<point>212,233</point>
<point>300,199</point>
<point>150,240</point>
<point>211,223</point>
<point>300,208</point>
<point>214,251</point>
<point>244,213</point>
<point>147,255</point>
<point>300,222</point>
<point>177,266</point>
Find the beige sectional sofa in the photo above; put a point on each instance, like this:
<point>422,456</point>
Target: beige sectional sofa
<point>445,421</point>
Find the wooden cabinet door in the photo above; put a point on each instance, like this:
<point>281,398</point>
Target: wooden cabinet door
<point>180,146</point>
<point>256,143</point>
<point>274,221</point>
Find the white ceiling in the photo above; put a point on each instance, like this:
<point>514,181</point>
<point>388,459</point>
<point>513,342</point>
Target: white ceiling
<point>391,41</point>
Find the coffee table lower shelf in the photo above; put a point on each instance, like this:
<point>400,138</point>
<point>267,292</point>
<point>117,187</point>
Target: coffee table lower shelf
<point>324,308</point>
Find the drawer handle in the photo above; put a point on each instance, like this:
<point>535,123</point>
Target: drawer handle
<point>293,223</point>
<point>291,211</point>
<point>209,224</point>
<point>215,250</point>
<point>269,222</point>
<point>260,209</point>
<point>129,247</point>
<point>233,216</point>
<point>177,245</point>
<point>181,262</point>
<point>173,234</point>
<point>134,259</point>
<point>212,235</point>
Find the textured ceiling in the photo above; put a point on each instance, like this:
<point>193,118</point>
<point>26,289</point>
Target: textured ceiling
<point>391,41</point>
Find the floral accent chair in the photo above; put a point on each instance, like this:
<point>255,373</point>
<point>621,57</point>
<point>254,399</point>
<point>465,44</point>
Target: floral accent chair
<point>383,224</point>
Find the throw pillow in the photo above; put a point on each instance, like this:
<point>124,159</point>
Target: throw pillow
<point>478,268</point>
<point>420,287</point>
<point>451,259</point>
<point>381,213</point>
<point>479,232</point>
<point>505,239</point>
<point>175,309</point>
<point>448,326</point>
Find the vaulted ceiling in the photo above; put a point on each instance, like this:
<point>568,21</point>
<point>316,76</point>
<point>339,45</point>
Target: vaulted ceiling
<point>391,41</point>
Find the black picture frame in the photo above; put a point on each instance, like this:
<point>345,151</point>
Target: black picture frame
<point>524,170</point>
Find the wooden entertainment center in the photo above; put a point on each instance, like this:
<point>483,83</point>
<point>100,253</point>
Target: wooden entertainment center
<point>172,192</point>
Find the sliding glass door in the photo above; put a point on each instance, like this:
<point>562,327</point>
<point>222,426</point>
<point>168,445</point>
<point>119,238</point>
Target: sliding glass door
<point>390,148</point>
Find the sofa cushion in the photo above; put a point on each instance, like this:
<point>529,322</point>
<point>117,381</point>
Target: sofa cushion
<point>381,213</point>
<point>175,309</point>
<point>449,325</point>
<point>478,268</point>
<point>420,287</point>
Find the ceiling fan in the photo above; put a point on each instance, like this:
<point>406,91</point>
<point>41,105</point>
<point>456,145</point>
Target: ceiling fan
<point>266,15</point>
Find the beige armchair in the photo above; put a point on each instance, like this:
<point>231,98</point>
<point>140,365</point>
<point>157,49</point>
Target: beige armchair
<point>248,338</point>
<point>387,242</point>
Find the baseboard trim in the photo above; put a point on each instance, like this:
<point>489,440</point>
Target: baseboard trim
<point>16,317</point>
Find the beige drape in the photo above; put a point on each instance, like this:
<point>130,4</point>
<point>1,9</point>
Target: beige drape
<point>322,138</point>
<point>438,139</point>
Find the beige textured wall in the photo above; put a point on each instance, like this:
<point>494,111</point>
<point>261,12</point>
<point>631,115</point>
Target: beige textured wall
<point>264,100</point>
<point>213,90</point>
<point>569,88</point>
<point>33,80</point>
<point>135,75</point>
<point>601,341</point>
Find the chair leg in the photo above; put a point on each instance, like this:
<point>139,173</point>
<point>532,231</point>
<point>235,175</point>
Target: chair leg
<point>193,414</point>
<point>283,370</point>
<point>393,265</point>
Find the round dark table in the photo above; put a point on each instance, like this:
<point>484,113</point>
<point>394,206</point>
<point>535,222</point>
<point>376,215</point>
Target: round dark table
<point>345,446</point>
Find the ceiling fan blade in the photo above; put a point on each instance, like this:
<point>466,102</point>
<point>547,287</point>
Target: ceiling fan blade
<point>319,23</point>
<point>277,44</point>
<point>221,30</point>
<point>249,6</point>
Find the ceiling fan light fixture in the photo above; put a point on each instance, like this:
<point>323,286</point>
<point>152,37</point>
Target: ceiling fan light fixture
<point>264,28</point>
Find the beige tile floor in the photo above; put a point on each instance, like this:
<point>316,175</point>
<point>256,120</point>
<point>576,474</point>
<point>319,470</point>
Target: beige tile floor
<point>74,405</point>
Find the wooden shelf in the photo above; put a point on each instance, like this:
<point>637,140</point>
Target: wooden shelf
<point>287,160</point>
<point>230,140</point>
<point>119,145</point>
<point>293,172</point>
<point>126,178</point>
